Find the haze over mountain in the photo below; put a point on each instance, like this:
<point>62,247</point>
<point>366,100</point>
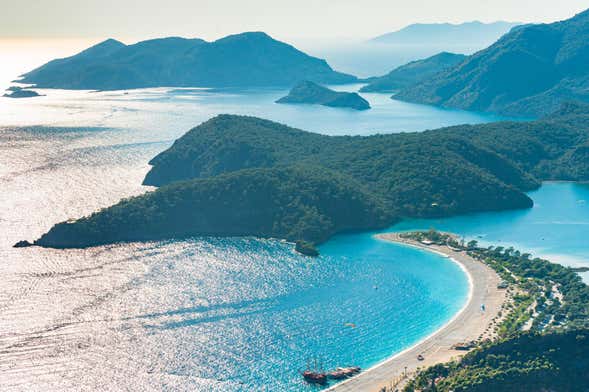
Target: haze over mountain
<point>241,60</point>
<point>447,34</point>
<point>413,72</point>
<point>528,72</point>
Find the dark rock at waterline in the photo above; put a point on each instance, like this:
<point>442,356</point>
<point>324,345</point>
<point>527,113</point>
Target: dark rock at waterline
<point>22,244</point>
<point>21,93</point>
<point>306,248</point>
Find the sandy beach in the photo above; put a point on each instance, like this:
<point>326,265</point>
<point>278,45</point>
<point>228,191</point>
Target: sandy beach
<point>468,325</point>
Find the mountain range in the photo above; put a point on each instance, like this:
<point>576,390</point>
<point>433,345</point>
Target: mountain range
<point>528,72</point>
<point>474,34</point>
<point>241,60</point>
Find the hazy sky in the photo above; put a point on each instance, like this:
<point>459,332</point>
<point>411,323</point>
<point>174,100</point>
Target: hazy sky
<point>138,19</point>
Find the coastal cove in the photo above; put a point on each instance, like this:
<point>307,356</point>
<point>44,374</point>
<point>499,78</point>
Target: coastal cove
<point>554,228</point>
<point>198,313</point>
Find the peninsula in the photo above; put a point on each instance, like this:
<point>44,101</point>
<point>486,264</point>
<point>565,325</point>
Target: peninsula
<point>237,176</point>
<point>307,92</point>
<point>531,313</point>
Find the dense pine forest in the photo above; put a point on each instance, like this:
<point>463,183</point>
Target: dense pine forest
<point>237,175</point>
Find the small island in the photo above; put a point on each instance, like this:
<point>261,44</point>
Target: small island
<point>306,248</point>
<point>311,93</point>
<point>19,92</point>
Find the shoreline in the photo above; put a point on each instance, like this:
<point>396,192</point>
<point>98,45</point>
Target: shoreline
<point>468,324</point>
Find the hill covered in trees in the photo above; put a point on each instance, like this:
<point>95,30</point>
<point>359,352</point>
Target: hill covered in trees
<point>241,60</point>
<point>412,73</point>
<point>311,93</point>
<point>221,178</point>
<point>527,72</point>
<point>529,362</point>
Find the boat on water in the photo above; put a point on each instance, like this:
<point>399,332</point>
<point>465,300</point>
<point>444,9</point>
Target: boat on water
<point>343,373</point>
<point>321,377</point>
<point>315,377</point>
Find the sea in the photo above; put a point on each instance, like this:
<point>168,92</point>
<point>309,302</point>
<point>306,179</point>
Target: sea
<point>217,314</point>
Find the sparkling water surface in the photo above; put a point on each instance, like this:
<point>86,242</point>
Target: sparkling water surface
<point>202,314</point>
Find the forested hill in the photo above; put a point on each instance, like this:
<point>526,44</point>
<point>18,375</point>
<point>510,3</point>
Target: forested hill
<point>520,154</point>
<point>530,362</point>
<point>240,60</point>
<point>220,179</point>
<point>527,72</point>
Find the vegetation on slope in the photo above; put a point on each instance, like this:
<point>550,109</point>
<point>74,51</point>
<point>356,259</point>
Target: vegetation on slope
<point>529,362</point>
<point>543,335</point>
<point>528,72</point>
<point>308,203</point>
<point>312,93</point>
<point>229,166</point>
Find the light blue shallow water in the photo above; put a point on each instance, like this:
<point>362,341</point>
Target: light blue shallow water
<point>260,311</point>
<point>557,227</point>
<point>233,314</point>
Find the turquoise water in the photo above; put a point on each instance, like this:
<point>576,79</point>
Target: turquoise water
<point>219,314</point>
<point>557,227</point>
<point>259,312</point>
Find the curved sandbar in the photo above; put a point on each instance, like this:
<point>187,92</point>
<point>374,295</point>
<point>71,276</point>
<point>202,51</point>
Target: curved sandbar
<point>470,323</point>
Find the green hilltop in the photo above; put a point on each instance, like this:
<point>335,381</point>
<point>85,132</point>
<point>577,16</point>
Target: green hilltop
<point>237,175</point>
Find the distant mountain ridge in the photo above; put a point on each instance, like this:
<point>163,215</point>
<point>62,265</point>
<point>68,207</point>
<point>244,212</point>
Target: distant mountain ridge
<point>413,72</point>
<point>242,60</point>
<point>447,34</point>
<point>528,72</point>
